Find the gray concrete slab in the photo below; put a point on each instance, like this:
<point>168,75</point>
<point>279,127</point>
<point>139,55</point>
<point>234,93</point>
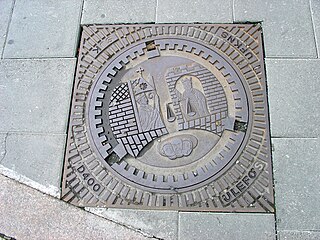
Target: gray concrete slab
<point>37,157</point>
<point>3,142</point>
<point>287,25</point>
<point>294,87</point>
<point>161,224</point>
<point>207,226</point>
<point>43,29</point>
<point>180,11</point>
<point>296,173</point>
<point>6,7</point>
<point>29,214</point>
<point>35,94</point>
<point>298,235</point>
<point>118,11</point>
<point>315,10</point>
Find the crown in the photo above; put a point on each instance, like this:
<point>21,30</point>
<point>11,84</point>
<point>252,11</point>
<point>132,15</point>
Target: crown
<point>186,79</point>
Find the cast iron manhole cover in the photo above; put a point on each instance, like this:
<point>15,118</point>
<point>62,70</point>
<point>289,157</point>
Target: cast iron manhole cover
<point>170,117</point>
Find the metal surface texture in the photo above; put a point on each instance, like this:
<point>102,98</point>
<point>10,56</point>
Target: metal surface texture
<point>170,116</point>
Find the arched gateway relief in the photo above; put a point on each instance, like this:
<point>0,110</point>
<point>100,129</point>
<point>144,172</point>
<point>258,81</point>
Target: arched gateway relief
<point>169,116</point>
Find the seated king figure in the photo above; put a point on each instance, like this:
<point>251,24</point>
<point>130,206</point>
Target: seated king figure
<point>193,99</point>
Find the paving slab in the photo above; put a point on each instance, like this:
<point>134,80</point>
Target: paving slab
<point>225,226</point>
<point>118,11</point>
<point>315,10</point>
<point>294,87</point>
<point>298,235</point>
<point>35,94</point>
<point>187,11</point>
<point>287,25</point>
<point>43,29</point>
<point>36,156</point>
<point>161,224</point>
<point>296,174</point>
<point>6,7</point>
<point>29,214</point>
<point>51,190</point>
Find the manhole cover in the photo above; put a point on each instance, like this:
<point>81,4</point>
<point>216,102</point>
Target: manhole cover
<point>170,117</point>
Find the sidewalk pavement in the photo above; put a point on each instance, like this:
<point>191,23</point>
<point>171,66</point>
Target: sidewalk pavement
<point>38,43</point>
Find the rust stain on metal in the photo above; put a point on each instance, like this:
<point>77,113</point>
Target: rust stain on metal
<point>170,117</point>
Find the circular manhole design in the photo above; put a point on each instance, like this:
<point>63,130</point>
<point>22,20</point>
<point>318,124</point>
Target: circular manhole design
<point>170,117</point>
<point>167,115</point>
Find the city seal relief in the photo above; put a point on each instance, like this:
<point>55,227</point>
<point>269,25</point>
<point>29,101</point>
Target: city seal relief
<point>170,117</point>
